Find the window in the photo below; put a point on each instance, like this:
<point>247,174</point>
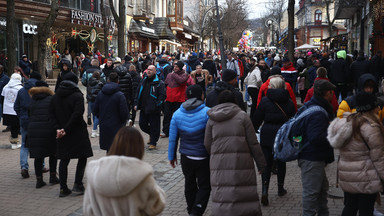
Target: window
<point>171,7</point>
<point>318,18</point>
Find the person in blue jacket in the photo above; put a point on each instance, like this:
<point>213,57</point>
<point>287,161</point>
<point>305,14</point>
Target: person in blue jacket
<point>188,123</point>
<point>25,64</point>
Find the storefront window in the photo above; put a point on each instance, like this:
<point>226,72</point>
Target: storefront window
<point>87,5</point>
<point>171,7</point>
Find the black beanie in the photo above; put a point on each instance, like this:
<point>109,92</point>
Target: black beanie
<point>180,64</point>
<point>229,75</point>
<point>365,102</point>
<point>71,77</point>
<point>275,71</point>
<point>194,91</point>
<point>35,75</point>
<point>127,58</point>
<point>40,83</point>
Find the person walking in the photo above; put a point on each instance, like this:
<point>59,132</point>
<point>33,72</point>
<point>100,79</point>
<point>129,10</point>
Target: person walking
<point>25,64</point>
<point>4,79</point>
<point>66,67</point>
<point>233,151</point>
<point>201,77</point>
<point>273,111</point>
<point>67,108</point>
<point>136,79</point>
<point>254,82</point>
<point>41,132</point>
<point>125,82</point>
<point>359,138</point>
<point>151,95</point>
<point>112,111</point>
<point>95,84</point>
<point>188,123</point>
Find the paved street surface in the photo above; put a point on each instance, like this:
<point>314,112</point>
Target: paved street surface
<point>20,197</point>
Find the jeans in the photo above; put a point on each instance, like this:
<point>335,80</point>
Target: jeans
<point>23,150</point>
<point>197,184</point>
<point>150,124</point>
<point>63,172</point>
<point>95,119</point>
<point>364,203</point>
<point>315,186</point>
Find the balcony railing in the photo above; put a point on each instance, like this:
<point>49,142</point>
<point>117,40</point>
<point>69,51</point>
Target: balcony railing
<point>345,9</point>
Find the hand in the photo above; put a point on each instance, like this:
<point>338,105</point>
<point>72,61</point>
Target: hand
<point>60,133</point>
<point>135,108</point>
<point>260,172</point>
<point>173,163</point>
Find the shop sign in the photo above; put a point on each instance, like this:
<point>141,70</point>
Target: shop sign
<point>86,18</point>
<point>316,41</point>
<point>3,21</point>
<point>29,29</point>
<point>185,22</point>
<point>148,29</point>
<point>188,36</point>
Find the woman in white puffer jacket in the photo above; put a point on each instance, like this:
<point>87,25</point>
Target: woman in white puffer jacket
<point>253,81</point>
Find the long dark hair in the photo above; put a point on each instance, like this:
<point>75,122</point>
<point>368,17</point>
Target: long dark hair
<point>128,142</point>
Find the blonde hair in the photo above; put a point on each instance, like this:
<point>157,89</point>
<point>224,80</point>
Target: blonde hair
<point>277,83</point>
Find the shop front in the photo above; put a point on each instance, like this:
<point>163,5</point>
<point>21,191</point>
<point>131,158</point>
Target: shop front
<point>167,39</point>
<point>142,37</point>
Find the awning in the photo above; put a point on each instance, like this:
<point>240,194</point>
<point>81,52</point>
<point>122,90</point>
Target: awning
<point>142,29</point>
<point>306,46</point>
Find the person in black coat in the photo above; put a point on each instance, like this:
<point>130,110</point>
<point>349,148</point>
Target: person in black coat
<point>67,109</point>
<point>274,110</point>
<point>211,67</point>
<point>125,82</point>
<point>358,68</point>
<point>95,84</point>
<point>339,75</point>
<point>136,79</point>
<point>108,68</point>
<point>112,110</point>
<point>66,67</point>
<point>375,67</point>
<point>41,132</point>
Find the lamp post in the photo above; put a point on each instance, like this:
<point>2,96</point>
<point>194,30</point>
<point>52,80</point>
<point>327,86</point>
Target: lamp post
<point>221,39</point>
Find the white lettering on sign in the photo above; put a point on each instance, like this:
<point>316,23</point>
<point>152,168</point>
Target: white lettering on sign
<point>3,22</point>
<point>148,29</point>
<point>185,22</point>
<point>92,18</point>
<point>29,29</point>
<point>188,36</point>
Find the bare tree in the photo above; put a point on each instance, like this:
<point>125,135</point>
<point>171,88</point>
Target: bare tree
<point>106,28</point>
<point>120,22</point>
<point>276,9</point>
<point>291,29</point>
<point>11,36</point>
<point>44,30</point>
<point>330,23</point>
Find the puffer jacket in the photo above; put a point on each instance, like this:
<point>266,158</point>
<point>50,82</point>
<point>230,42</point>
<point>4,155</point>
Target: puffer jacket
<point>125,82</point>
<point>188,122</point>
<point>361,170</point>
<point>212,98</point>
<point>253,79</point>
<point>289,73</point>
<point>136,79</point>
<point>22,102</point>
<point>233,151</point>
<point>339,74</point>
<point>94,87</point>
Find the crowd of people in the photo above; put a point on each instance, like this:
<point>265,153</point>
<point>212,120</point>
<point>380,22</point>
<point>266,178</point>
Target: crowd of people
<point>204,106</point>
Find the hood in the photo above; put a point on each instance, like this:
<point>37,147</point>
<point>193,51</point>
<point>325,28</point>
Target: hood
<point>278,95</point>
<point>342,54</point>
<point>363,79</point>
<point>192,59</point>
<point>223,112</point>
<point>12,83</point>
<point>340,131</point>
<point>67,62</point>
<point>40,92</point>
<point>289,67</point>
<point>321,78</point>
<point>120,70</point>
<point>221,86</point>
<point>67,88</point>
<point>110,88</point>
<point>116,176</point>
<point>163,61</point>
<point>192,104</point>
<point>30,83</point>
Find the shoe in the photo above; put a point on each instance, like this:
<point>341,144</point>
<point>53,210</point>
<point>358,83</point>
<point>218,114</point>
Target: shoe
<point>151,147</point>
<point>18,145</point>
<point>53,179</point>
<point>24,173</point>
<point>14,146</point>
<point>89,121</point>
<point>40,183</point>
<point>94,133</point>
<point>45,170</point>
<point>78,189</point>
<point>264,199</point>
<point>130,123</point>
<point>98,131</point>
<point>7,129</point>
<point>282,192</point>
<point>64,192</point>
<point>163,135</point>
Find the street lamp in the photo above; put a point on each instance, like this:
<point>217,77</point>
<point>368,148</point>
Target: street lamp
<point>221,39</point>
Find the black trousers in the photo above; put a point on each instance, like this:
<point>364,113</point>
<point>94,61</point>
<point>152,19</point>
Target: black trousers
<point>343,89</point>
<point>169,109</point>
<point>63,171</point>
<point>150,124</point>
<point>254,93</point>
<point>197,184</point>
<point>303,94</point>
<point>39,165</point>
<point>281,167</point>
<point>364,203</point>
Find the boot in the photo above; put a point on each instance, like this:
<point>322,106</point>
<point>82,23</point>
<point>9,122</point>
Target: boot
<point>89,120</point>
<point>53,179</point>
<point>281,191</point>
<point>40,183</point>
<point>264,195</point>
<point>94,133</point>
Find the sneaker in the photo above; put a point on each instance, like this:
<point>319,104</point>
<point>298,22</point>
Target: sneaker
<point>151,147</point>
<point>24,173</point>
<point>14,140</point>
<point>64,192</point>
<point>130,123</point>
<point>14,146</point>
<point>40,183</point>
<point>163,135</point>
<point>18,145</point>
<point>54,180</point>
<point>78,189</point>
<point>94,133</point>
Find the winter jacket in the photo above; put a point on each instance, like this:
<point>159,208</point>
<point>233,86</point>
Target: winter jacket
<point>26,66</point>
<point>193,62</point>
<point>112,110</point>
<point>107,71</point>
<point>304,75</point>
<point>211,67</point>
<point>89,73</point>
<point>265,73</point>
<point>310,92</point>
<point>233,151</point>
<point>125,82</point>
<point>312,75</point>
<point>62,72</point>
<point>163,68</point>
<point>41,139</point>
<point>9,93</point>
<point>4,79</point>
<point>93,89</point>
<point>289,73</point>
<point>358,68</point>
<point>136,79</point>
<point>339,74</point>
<point>233,65</point>
<point>361,169</point>
<point>132,190</point>
<point>67,109</point>
<point>85,64</point>
<point>314,132</point>
<point>22,102</point>
<point>176,86</point>
<point>155,98</point>
<point>205,75</point>
<point>254,80</point>
<point>375,67</point>
<point>188,123</point>
<point>264,89</point>
<point>272,116</point>
<point>213,97</point>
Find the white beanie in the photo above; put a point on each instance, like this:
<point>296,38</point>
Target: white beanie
<point>16,76</point>
<point>277,58</point>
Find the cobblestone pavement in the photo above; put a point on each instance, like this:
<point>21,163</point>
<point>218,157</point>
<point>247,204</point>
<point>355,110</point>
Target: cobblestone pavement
<point>20,197</point>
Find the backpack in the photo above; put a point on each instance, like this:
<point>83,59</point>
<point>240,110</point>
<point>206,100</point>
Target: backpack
<point>288,141</point>
<point>188,68</point>
<point>160,71</point>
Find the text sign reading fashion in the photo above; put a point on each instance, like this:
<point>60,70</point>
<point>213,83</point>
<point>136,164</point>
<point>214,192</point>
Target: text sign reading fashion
<point>86,18</point>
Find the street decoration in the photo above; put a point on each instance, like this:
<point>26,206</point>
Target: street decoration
<point>89,36</point>
<point>245,41</point>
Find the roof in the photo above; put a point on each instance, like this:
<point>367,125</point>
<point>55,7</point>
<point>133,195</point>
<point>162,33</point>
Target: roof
<point>141,28</point>
<point>162,27</point>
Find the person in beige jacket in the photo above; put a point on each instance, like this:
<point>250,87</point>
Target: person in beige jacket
<point>231,141</point>
<point>359,137</point>
<point>121,183</point>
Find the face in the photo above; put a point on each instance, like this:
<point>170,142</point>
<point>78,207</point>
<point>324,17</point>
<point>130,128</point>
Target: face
<point>368,89</point>
<point>262,63</point>
<point>65,67</point>
<point>269,56</point>
<point>198,70</point>
<point>16,71</point>
<point>109,63</point>
<point>229,57</point>
<point>285,64</point>
<point>317,64</point>
<point>66,52</point>
<point>151,71</point>
<point>176,68</point>
<point>329,96</point>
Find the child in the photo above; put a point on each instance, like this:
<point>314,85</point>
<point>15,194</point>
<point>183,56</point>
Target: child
<point>121,183</point>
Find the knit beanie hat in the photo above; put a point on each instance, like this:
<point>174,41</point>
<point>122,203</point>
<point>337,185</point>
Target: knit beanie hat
<point>300,62</point>
<point>127,58</point>
<point>229,75</point>
<point>180,64</point>
<point>277,58</point>
<point>71,77</point>
<point>40,83</point>
<point>194,91</point>
<point>365,102</point>
<point>275,70</point>
<point>35,75</point>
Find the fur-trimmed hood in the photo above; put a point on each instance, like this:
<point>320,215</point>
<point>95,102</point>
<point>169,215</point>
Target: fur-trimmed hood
<point>40,90</point>
<point>340,131</point>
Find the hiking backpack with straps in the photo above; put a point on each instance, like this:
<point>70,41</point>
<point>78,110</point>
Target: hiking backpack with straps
<point>160,71</point>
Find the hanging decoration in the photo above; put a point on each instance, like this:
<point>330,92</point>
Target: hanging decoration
<point>92,36</point>
<point>245,41</point>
